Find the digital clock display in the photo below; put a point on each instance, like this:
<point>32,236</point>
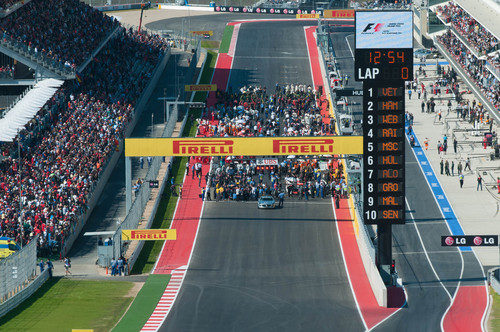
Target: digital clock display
<point>392,57</point>
<point>384,64</point>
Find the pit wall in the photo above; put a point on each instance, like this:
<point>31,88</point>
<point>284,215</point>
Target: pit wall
<point>365,245</point>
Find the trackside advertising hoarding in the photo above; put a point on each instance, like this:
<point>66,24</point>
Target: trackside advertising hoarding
<point>469,241</point>
<point>286,11</point>
<point>201,87</point>
<point>149,234</point>
<point>339,13</point>
<point>243,146</point>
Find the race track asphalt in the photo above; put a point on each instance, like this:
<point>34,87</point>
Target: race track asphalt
<point>266,270</point>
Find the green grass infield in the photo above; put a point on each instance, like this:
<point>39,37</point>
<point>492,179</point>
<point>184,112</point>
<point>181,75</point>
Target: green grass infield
<point>144,304</point>
<point>66,304</point>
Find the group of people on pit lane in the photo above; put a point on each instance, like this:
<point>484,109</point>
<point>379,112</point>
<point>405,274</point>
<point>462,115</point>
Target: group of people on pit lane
<point>291,111</point>
<point>446,84</point>
<point>66,146</point>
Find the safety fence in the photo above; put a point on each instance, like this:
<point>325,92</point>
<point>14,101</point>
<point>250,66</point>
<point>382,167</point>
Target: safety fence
<point>17,271</point>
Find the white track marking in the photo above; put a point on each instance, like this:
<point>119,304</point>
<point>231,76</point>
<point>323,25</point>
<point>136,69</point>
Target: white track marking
<point>346,269</point>
<point>395,312</point>
<point>348,44</point>
<point>309,57</point>
<point>425,250</point>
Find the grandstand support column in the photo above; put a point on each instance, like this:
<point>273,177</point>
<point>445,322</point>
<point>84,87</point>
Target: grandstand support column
<point>128,184</point>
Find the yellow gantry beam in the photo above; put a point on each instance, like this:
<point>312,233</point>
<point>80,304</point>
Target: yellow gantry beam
<point>243,146</point>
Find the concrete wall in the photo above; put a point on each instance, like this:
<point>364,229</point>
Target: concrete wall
<point>24,294</point>
<point>82,220</point>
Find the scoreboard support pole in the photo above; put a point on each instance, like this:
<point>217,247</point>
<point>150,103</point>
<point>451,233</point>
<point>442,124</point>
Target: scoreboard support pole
<point>384,245</point>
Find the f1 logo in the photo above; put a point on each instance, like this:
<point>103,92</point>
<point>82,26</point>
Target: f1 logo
<point>376,28</point>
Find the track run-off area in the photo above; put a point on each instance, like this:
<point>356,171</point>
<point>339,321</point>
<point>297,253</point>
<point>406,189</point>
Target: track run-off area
<point>237,268</point>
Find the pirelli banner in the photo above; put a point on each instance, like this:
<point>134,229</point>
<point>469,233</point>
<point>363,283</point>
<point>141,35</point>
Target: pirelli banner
<point>243,146</point>
<point>307,16</point>
<point>200,87</point>
<point>339,13</point>
<point>149,234</point>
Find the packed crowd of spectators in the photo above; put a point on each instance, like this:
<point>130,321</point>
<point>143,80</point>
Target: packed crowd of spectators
<point>383,5</point>
<point>66,31</point>
<point>66,146</point>
<point>476,35</point>
<point>473,66</point>
<point>7,72</point>
<point>291,111</point>
<point>281,3</point>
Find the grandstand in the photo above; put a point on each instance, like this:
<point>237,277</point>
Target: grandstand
<point>471,43</point>
<point>65,129</point>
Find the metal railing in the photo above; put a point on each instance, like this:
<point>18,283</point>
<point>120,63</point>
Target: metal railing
<point>38,57</point>
<point>15,101</point>
<point>17,270</point>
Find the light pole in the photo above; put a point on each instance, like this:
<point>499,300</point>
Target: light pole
<point>20,185</point>
<point>165,105</point>
<point>152,124</point>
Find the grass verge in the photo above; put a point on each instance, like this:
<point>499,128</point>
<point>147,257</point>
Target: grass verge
<point>65,304</point>
<point>144,303</point>
<point>226,39</point>
<point>166,207</point>
<point>210,44</point>
<point>495,311</point>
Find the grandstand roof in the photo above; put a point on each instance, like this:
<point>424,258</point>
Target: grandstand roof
<point>26,108</point>
<point>485,12</point>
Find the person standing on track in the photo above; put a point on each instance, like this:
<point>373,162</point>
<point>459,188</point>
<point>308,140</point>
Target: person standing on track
<point>479,182</point>
<point>67,265</point>
<point>281,198</point>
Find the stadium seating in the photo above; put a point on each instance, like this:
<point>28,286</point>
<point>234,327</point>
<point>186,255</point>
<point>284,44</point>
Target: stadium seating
<point>66,31</point>
<point>480,39</point>
<point>475,67</point>
<point>69,142</point>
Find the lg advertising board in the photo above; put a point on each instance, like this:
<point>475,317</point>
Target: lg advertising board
<point>259,10</point>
